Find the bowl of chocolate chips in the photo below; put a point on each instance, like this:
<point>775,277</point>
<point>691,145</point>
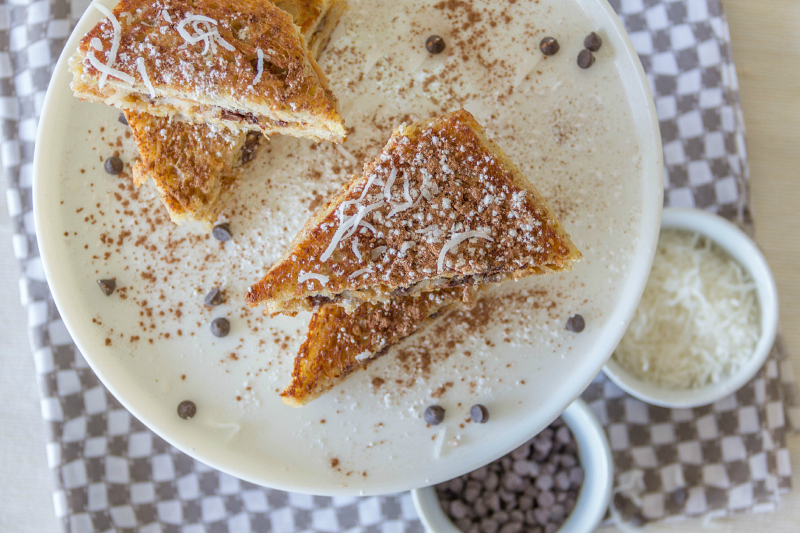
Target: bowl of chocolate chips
<point>559,481</point>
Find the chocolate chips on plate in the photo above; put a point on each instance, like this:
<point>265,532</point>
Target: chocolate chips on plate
<point>187,409</point>
<point>549,46</point>
<point>575,323</point>
<point>220,327</point>
<point>435,44</point>
<point>222,232</point>
<point>592,42</point>
<point>434,415</point>
<point>479,414</point>
<point>113,165</point>
<point>213,298</point>
<point>533,489</point>
<point>585,58</point>
<point>107,285</point>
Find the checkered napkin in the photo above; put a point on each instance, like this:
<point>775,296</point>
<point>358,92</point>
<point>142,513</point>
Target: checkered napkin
<point>112,474</point>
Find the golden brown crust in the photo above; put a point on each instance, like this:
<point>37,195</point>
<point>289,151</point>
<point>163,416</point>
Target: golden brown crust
<point>338,343</point>
<point>216,78</point>
<point>458,184</point>
<point>195,167</point>
<point>309,15</point>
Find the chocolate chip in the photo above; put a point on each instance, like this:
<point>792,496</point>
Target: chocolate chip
<point>585,58</point>
<point>122,119</point>
<point>187,409</point>
<point>222,232</point>
<point>489,526</point>
<point>515,493</point>
<point>107,285</point>
<point>459,509</point>
<point>593,42</point>
<point>220,327</point>
<point>213,298</point>
<point>549,46</point>
<point>434,415</point>
<point>113,165</point>
<point>479,414</point>
<point>435,44</point>
<point>563,435</point>
<point>575,323</point>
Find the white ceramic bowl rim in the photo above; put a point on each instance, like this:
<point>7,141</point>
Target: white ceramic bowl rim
<point>741,248</point>
<point>593,499</point>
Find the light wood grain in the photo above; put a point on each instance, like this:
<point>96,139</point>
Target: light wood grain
<point>766,50</point>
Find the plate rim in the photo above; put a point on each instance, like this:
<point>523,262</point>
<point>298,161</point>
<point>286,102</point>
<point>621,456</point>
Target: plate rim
<point>639,268</point>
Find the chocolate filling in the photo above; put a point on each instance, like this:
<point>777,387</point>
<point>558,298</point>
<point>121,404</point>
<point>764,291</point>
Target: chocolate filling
<point>224,114</point>
<point>249,146</point>
<point>492,276</point>
<point>315,302</point>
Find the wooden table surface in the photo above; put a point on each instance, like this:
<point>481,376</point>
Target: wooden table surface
<point>765,38</point>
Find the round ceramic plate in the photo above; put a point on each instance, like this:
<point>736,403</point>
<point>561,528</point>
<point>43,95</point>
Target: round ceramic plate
<point>588,140</point>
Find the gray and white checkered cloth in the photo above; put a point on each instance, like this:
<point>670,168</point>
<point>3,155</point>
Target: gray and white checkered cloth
<point>113,474</point>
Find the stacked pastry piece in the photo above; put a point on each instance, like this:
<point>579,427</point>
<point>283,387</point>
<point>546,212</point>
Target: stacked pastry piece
<point>439,212</point>
<point>202,83</point>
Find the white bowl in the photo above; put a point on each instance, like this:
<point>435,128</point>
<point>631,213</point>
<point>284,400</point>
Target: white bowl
<point>595,458</point>
<point>736,243</point>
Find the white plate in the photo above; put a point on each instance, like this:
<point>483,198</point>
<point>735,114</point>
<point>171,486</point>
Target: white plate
<point>589,141</point>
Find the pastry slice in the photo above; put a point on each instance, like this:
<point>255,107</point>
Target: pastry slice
<point>338,343</point>
<point>242,64</point>
<point>316,19</point>
<point>196,167</point>
<point>441,206</point>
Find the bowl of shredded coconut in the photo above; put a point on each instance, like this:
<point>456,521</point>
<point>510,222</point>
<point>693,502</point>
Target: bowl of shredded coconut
<point>707,319</point>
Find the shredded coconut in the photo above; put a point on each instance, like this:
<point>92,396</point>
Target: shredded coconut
<point>347,155</point>
<point>259,66</point>
<point>305,276</point>
<point>406,246</point>
<point>457,239</point>
<point>351,224</point>
<point>697,321</point>
<point>112,54</point>
<point>409,203</point>
<point>205,32</point>
<point>140,66</point>
<point>438,443</point>
<point>377,252</point>
<point>108,71</point>
<point>387,187</point>
<point>361,271</point>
